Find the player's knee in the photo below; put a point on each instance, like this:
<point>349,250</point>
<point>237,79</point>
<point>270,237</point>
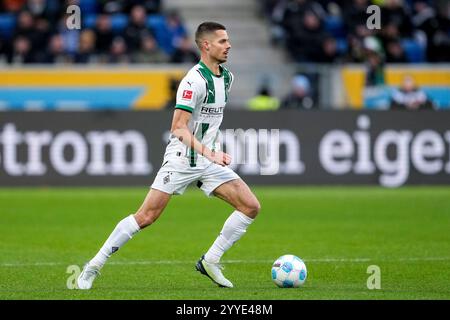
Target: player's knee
<point>252,209</point>
<point>146,218</point>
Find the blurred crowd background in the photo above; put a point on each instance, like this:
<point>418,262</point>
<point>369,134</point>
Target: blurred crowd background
<point>34,31</point>
<point>336,31</point>
<point>311,35</point>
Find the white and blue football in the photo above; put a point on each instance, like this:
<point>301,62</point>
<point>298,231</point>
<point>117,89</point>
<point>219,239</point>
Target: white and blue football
<point>289,271</point>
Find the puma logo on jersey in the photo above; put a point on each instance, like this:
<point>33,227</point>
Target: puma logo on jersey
<point>189,83</point>
<point>187,95</point>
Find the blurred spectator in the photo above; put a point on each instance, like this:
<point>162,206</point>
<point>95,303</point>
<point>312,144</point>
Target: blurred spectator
<point>264,100</point>
<point>300,97</point>
<point>47,10</point>
<point>112,6</point>
<point>13,5</point>
<point>149,52</point>
<point>40,35</point>
<point>25,25</point>
<point>176,32</point>
<point>395,52</point>
<point>20,51</point>
<point>329,51</point>
<point>137,28</point>
<point>55,52</point>
<point>410,97</point>
<point>356,51</point>
<point>355,15</point>
<point>119,51</point>
<point>185,52</point>
<point>389,32</point>
<point>306,41</point>
<point>70,37</point>
<point>396,13</point>
<point>150,6</point>
<point>119,6</point>
<point>103,34</point>
<point>86,48</point>
<point>294,12</point>
<point>35,29</point>
<point>374,62</point>
<point>436,27</point>
<point>3,49</point>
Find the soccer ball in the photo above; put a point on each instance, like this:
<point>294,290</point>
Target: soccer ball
<point>289,271</point>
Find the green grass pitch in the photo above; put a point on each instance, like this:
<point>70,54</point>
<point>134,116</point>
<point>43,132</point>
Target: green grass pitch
<point>339,232</point>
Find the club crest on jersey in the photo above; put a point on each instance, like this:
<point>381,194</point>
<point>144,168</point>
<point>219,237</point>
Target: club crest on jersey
<point>187,95</point>
<point>166,179</point>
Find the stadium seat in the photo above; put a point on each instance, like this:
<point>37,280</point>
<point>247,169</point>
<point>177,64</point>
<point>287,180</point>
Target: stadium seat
<point>335,26</point>
<point>89,21</point>
<point>119,22</point>
<point>157,23</point>
<point>88,6</point>
<point>7,25</point>
<point>342,45</point>
<point>414,52</point>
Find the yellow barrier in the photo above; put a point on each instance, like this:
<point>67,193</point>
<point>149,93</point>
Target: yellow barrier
<point>154,85</point>
<point>354,80</point>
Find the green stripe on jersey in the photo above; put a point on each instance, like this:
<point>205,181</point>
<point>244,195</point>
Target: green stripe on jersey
<point>183,107</point>
<point>227,82</point>
<point>199,134</point>
<point>207,75</point>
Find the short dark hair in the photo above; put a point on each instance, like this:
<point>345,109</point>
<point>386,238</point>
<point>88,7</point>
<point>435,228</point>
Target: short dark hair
<point>207,27</point>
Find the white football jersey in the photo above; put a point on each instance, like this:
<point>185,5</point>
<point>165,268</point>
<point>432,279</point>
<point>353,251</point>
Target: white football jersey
<point>204,95</point>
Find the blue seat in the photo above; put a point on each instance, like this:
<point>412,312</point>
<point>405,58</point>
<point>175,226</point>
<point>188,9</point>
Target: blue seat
<point>88,6</point>
<point>119,22</point>
<point>157,23</point>
<point>7,25</point>
<point>413,51</point>
<point>342,45</point>
<point>335,26</point>
<point>89,20</point>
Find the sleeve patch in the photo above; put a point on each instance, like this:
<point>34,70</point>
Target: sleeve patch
<point>187,95</point>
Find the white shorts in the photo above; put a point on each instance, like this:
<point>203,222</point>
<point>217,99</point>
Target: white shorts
<point>175,175</point>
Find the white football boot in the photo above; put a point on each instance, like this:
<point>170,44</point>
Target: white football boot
<point>214,272</point>
<point>87,277</point>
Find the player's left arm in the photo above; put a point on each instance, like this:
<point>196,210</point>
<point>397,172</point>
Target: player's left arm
<point>181,130</point>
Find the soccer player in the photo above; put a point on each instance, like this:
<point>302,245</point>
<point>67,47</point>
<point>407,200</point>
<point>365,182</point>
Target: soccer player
<point>191,157</point>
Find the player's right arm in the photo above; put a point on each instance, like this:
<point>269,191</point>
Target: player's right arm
<point>181,130</point>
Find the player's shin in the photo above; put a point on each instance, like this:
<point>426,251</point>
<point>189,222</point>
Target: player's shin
<point>123,232</point>
<point>234,228</point>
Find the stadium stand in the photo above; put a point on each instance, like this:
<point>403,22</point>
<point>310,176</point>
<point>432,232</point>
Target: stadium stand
<point>326,41</point>
<point>22,21</point>
<point>422,28</point>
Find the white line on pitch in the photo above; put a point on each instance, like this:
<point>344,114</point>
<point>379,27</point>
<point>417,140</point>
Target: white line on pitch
<point>153,262</point>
